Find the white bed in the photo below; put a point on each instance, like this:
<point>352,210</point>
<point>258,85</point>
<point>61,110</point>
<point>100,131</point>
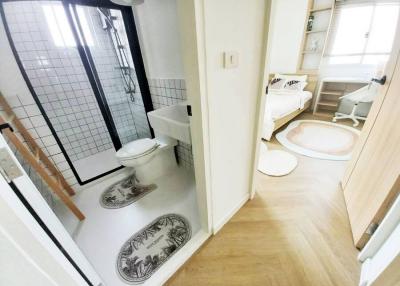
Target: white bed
<point>280,105</point>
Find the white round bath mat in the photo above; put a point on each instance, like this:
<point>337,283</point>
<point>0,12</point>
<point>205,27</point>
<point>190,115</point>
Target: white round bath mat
<point>276,162</point>
<point>319,139</point>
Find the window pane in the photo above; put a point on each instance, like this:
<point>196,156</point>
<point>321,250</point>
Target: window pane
<point>383,29</point>
<point>375,59</point>
<point>340,60</point>
<point>353,25</point>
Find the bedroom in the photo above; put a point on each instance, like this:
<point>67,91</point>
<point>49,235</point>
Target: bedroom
<point>330,71</point>
<point>333,49</point>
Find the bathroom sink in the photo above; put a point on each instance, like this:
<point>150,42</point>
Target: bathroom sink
<point>172,121</point>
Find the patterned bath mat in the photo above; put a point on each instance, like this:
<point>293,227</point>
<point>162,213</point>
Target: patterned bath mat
<point>124,193</point>
<point>151,247</point>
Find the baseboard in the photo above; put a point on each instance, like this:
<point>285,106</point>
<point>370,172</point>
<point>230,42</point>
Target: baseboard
<point>217,226</point>
<point>173,264</point>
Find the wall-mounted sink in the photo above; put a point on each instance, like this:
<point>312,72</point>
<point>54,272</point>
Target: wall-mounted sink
<point>172,121</point>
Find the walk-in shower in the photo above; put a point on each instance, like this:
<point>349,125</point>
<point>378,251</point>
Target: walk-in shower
<point>82,63</point>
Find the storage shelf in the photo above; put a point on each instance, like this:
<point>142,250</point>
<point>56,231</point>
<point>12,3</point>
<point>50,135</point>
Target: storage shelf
<point>332,92</point>
<point>325,113</point>
<point>325,102</point>
<point>316,31</point>
<point>312,52</point>
<point>321,9</point>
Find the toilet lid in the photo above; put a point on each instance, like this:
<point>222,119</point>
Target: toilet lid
<point>137,148</point>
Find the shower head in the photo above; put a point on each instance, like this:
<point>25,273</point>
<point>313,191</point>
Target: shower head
<point>128,2</point>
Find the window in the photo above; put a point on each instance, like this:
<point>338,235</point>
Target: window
<point>60,29</point>
<point>363,33</point>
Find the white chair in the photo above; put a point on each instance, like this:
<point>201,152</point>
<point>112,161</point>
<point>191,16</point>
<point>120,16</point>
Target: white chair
<point>356,105</point>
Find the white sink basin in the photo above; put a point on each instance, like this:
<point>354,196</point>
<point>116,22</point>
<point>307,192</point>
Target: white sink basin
<point>172,121</point>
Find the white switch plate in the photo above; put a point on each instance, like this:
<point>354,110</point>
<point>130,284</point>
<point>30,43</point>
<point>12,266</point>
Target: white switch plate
<point>231,60</point>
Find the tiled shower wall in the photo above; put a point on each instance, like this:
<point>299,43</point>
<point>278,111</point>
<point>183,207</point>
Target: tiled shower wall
<point>165,92</point>
<point>59,79</point>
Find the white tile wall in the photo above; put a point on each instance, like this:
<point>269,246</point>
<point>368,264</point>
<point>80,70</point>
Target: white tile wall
<point>59,80</point>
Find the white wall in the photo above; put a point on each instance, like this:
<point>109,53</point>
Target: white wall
<point>232,98</point>
<point>157,25</point>
<point>286,32</point>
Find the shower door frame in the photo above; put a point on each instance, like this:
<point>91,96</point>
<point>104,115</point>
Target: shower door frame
<point>91,72</point>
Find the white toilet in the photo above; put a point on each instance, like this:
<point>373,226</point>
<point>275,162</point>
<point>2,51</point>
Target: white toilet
<point>151,158</point>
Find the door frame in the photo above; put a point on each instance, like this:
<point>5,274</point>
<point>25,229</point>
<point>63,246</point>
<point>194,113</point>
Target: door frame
<point>30,207</point>
<point>264,79</point>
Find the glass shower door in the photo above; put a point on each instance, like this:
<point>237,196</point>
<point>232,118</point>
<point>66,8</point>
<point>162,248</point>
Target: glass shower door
<point>105,37</point>
<point>77,63</point>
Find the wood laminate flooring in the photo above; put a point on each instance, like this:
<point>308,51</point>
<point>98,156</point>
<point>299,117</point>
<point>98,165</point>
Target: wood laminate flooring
<point>294,232</point>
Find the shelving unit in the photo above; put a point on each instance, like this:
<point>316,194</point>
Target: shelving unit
<point>329,92</point>
<point>314,40</point>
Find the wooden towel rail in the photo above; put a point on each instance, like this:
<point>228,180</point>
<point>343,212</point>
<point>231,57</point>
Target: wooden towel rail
<point>33,145</point>
<point>34,156</point>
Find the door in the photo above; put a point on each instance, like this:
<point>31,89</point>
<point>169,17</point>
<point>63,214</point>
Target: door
<point>371,182</point>
<point>21,211</point>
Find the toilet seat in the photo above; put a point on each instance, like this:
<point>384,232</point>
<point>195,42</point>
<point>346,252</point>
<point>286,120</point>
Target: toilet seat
<point>137,149</point>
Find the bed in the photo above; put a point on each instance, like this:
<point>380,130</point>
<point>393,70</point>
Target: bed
<point>282,107</point>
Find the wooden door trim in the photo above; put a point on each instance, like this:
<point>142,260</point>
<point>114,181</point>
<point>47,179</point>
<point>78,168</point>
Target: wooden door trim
<point>387,203</point>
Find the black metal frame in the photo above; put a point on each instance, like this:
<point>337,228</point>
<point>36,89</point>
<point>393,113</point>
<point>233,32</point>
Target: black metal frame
<point>91,72</point>
<point>44,227</point>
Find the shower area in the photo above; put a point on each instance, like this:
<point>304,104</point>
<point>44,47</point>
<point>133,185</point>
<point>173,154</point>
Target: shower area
<point>82,64</point>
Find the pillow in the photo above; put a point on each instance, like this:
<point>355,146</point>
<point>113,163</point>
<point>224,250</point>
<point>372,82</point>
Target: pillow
<point>277,83</point>
<point>292,77</point>
<point>294,85</point>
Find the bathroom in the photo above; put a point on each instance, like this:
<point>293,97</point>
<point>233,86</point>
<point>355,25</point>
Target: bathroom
<point>98,87</point>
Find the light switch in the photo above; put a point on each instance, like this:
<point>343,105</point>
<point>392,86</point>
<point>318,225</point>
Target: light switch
<point>231,60</point>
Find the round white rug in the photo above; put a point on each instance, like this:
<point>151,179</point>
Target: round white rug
<point>276,162</point>
<point>319,139</point>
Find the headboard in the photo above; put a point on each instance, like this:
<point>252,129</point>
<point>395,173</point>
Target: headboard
<point>311,80</point>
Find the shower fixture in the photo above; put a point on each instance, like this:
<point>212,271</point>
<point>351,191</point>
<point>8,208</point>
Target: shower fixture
<point>120,49</point>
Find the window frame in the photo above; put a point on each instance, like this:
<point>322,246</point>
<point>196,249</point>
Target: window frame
<point>364,53</point>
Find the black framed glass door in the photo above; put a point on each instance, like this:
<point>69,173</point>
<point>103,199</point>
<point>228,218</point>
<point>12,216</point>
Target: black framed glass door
<point>82,63</point>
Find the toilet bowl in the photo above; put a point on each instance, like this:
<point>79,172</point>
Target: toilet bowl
<point>150,158</point>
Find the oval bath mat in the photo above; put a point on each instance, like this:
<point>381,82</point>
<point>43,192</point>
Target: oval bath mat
<point>148,249</point>
<point>124,193</point>
<point>319,139</point>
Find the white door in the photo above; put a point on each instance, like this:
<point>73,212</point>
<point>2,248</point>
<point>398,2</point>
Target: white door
<point>48,247</point>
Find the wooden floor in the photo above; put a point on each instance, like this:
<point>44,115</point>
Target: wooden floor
<point>294,232</point>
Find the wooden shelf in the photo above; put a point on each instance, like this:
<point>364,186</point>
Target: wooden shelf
<point>311,60</point>
<point>316,31</point>
<point>325,102</point>
<point>321,9</point>
<point>311,52</point>
<point>332,92</point>
<point>324,113</point>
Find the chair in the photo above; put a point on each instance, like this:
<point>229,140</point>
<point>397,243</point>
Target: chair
<point>356,105</point>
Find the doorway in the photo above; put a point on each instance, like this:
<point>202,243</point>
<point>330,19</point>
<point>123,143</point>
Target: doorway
<point>308,199</point>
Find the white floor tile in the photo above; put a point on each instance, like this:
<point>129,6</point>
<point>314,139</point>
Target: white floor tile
<point>103,232</point>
